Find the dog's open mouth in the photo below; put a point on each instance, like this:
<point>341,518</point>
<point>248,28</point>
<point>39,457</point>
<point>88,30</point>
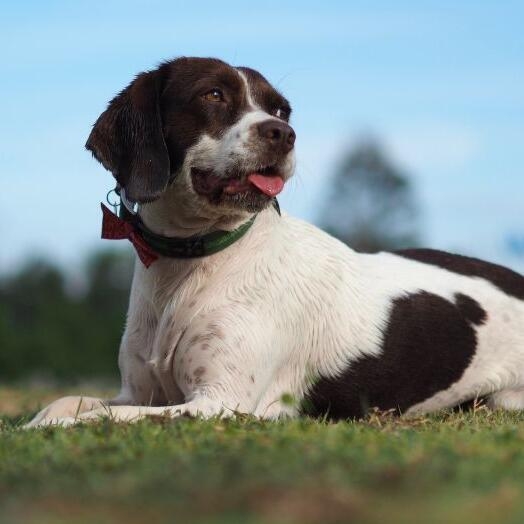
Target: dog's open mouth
<point>266,181</point>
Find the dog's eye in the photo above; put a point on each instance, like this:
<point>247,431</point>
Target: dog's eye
<point>215,95</point>
<point>282,113</point>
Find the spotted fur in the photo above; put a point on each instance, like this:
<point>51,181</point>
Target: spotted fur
<point>287,319</point>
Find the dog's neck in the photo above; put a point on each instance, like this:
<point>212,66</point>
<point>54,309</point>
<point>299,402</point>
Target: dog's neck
<point>177,213</point>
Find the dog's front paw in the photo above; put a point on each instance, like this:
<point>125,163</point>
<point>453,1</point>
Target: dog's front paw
<point>63,408</point>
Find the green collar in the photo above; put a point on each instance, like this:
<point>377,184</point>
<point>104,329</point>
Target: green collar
<point>198,246</point>
<point>173,247</point>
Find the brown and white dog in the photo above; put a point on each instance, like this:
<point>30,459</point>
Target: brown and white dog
<point>286,319</point>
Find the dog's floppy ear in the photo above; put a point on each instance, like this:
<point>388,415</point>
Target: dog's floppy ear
<point>127,139</point>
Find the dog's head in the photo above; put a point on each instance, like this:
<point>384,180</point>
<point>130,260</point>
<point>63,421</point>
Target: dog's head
<point>217,132</point>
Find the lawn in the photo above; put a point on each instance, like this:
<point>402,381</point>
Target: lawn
<point>465,467</point>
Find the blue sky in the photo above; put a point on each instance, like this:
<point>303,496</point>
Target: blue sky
<point>440,84</point>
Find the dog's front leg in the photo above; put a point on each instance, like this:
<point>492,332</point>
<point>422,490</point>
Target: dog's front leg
<point>65,407</point>
<point>222,364</point>
<point>138,386</point>
<point>199,407</point>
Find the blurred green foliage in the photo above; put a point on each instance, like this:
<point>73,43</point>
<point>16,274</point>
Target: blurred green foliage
<point>55,327</point>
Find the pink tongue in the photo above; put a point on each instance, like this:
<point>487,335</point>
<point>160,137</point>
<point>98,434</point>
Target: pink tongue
<point>269,185</point>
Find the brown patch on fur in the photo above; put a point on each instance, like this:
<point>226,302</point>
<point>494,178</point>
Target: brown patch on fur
<point>263,93</point>
<point>505,279</point>
<point>193,340</point>
<point>199,371</point>
<point>471,309</point>
<point>426,333</point>
<point>128,139</point>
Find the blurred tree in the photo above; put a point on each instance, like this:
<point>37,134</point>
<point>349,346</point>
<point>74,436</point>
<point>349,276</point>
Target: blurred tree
<point>515,244</point>
<point>46,330</point>
<point>371,206</point>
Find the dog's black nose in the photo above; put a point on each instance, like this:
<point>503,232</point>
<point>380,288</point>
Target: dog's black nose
<point>279,134</point>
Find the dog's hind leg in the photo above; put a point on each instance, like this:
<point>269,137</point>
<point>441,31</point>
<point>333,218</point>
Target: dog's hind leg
<point>510,399</point>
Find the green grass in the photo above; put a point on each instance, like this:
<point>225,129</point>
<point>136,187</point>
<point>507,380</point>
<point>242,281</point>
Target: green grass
<point>454,468</point>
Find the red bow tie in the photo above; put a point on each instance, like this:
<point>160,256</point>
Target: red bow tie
<point>114,228</point>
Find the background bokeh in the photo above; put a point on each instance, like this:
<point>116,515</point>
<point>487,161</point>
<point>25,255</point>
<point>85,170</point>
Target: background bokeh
<point>437,86</point>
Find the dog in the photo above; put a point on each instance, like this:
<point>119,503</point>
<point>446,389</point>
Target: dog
<point>235,308</point>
